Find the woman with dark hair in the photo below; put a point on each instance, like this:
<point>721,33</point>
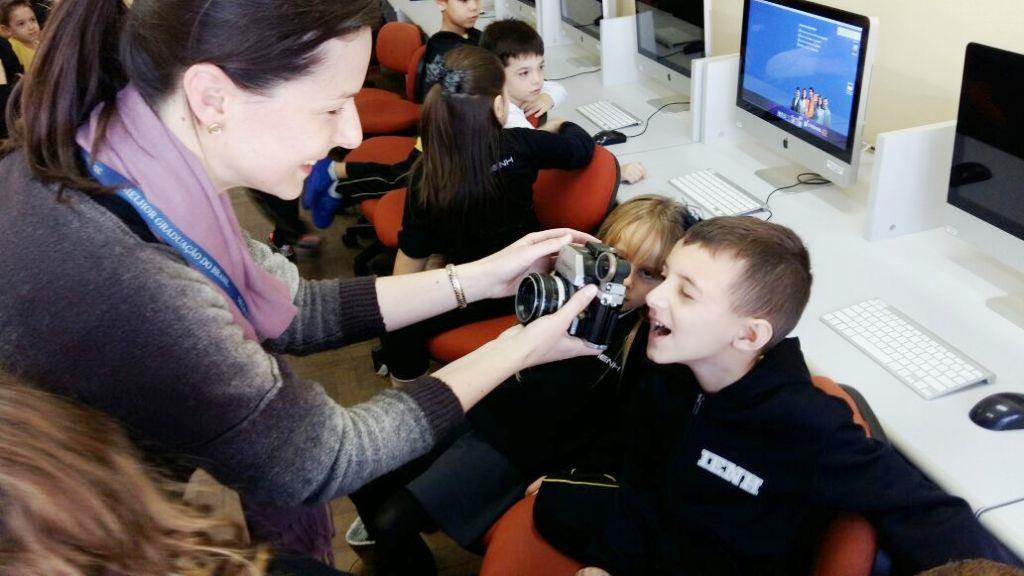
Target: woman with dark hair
<point>129,285</point>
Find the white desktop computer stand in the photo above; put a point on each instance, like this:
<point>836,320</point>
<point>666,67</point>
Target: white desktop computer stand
<point>618,51</point>
<point>909,181</point>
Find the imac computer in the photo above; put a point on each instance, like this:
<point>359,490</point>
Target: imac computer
<point>581,27</point>
<point>669,36</point>
<point>985,203</point>
<point>802,87</point>
<point>584,16</point>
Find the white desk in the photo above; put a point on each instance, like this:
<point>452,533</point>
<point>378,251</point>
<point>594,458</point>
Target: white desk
<point>1007,523</point>
<point>670,127</point>
<point>925,275</point>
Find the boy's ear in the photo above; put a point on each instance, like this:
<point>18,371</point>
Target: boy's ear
<point>5,32</point>
<point>755,335</point>
<point>441,4</point>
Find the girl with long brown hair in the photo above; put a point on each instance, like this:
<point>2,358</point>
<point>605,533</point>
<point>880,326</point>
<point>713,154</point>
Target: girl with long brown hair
<point>472,188</point>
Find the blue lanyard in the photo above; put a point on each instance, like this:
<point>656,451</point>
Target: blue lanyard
<point>166,230</point>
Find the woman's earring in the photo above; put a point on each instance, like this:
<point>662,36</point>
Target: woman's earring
<point>215,128</point>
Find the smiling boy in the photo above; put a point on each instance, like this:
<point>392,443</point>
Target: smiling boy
<point>733,460</point>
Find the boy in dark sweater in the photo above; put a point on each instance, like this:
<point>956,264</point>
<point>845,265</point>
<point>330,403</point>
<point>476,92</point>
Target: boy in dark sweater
<point>458,18</point>
<point>732,457</point>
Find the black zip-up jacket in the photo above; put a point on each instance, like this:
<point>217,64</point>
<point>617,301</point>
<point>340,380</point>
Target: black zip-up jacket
<point>431,67</point>
<point>736,482</point>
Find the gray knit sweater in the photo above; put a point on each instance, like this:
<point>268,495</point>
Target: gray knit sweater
<point>91,311</point>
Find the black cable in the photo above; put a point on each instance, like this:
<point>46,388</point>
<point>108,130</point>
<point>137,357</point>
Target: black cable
<point>648,121</point>
<point>598,69</point>
<point>804,178</point>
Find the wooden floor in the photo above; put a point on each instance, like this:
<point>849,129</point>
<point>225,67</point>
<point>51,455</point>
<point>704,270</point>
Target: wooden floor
<point>347,375</point>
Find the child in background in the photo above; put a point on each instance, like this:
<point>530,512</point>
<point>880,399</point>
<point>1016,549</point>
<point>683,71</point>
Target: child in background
<point>334,184</point>
<point>521,51</point>
<point>458,21</point>
<point>18,24</point>
<point>733,460</point>
<point>463,489</point>
<point>472,189</point>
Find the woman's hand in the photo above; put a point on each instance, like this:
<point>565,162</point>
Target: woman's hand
<point>498,275</point>
<point>547,339</point>
<point>544,340</point>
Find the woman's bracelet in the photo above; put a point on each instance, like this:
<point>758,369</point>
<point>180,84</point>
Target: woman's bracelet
<point>460,296</point>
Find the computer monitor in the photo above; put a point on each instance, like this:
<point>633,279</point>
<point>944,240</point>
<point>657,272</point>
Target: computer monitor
<point>583,15</point>
<point>670,34</point>
<point>985,202</point>
<point>802,87</point>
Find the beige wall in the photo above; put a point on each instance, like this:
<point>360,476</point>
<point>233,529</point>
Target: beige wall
<point>920,51</point>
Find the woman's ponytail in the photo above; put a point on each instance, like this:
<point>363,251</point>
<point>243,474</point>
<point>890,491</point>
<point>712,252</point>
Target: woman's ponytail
<point>76,68</point>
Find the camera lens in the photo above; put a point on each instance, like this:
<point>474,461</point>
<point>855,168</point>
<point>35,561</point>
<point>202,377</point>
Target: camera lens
<point>540,294</point>
<point>604,266</point>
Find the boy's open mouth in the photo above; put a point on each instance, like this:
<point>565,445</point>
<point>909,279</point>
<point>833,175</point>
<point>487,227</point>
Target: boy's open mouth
<point>660,329</point>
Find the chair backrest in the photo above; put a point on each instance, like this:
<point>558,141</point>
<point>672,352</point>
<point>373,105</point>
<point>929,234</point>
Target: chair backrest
<point>383,149</point>
<point>387,220</point>
<point>396,43</point>
<point>580,198</point>
<point>849,543</point>
<point>413,69</point>
<point>829,387</point>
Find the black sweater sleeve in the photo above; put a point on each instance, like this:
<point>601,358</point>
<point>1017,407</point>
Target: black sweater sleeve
<point>571,147</point>
<point>918,522</point>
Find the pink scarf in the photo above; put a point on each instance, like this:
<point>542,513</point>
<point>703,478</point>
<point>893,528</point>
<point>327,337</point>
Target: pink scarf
<point>144,151</point>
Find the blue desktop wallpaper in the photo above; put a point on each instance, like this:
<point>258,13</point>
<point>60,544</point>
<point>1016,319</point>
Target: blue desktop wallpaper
<point>787,50</point>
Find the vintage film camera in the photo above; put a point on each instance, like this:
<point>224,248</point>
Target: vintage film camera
<point>577,266</point>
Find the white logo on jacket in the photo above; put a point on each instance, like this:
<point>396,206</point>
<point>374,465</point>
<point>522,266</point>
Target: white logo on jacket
<point>730,472</point>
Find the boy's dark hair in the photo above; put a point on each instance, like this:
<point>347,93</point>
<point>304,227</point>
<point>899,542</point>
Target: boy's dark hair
<point>776,280</point>
<point>7,8</point>
<point>511,38</point>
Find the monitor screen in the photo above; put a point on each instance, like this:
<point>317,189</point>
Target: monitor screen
<point>671,32</point>
<point>987,175</point>
<point>584,15</point>
<point>801,68</point>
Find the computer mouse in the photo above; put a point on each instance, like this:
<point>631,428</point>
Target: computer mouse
<point>609,137</point>
<point>968,173</point>
<point>693,47</point>
<point>1003,411</point>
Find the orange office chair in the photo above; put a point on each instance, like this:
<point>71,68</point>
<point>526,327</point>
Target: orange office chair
<point>396,44</point>
<point>384,150</point>
<point>399,47</point>
<point>848,547</point>
<point>385,216</point>
<point>577,199</point>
